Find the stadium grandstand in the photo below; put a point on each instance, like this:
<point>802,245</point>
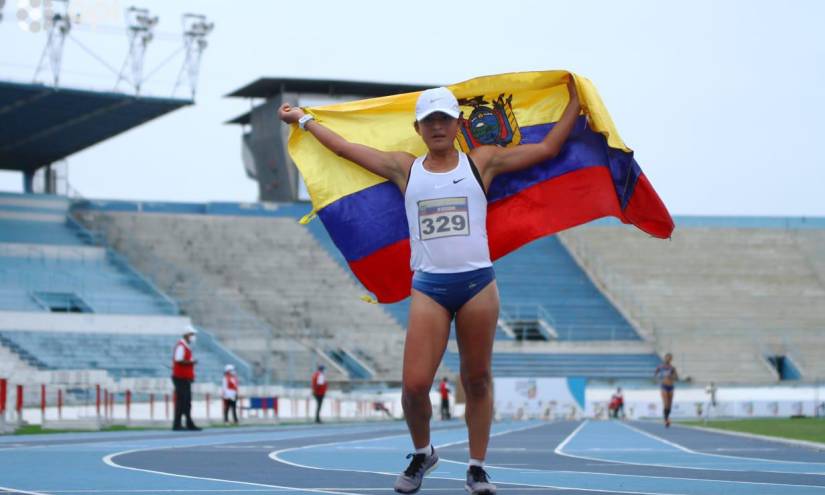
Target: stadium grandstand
<point>104,286</point>
<point>194,322</point>
<point>96,291</point>
<point>67,303</point>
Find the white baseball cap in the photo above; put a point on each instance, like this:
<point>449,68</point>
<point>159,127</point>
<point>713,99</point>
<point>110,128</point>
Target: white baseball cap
<point>229,367</point>
<point>190,329</point>
<point>436,100</point>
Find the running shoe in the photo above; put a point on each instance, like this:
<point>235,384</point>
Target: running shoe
<point>478,483</point>
<point>410,480</point>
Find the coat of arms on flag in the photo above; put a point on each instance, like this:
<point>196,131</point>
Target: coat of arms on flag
<point>489,123</point>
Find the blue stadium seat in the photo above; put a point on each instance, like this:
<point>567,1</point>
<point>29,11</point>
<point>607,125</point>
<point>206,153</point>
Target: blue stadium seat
<point>602,366</point>
<point>32,282</point>
<point>122,355</point>
<point>98,283</point>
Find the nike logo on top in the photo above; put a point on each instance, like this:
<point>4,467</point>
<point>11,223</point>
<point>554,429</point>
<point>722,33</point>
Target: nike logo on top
<point>455,181</point>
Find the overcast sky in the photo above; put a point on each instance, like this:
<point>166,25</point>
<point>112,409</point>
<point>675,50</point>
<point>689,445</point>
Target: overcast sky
<point>722,100</point>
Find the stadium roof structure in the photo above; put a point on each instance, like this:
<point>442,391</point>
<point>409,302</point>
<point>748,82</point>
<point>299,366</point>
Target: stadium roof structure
<point>41,124</point>
<point>267,87</point>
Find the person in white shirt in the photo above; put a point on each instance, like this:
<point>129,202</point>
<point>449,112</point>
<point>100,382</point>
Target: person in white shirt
<point>229,393</point>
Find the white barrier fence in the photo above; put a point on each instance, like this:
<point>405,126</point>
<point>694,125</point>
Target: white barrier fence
<point>90,407</point>
<point>730,402</point>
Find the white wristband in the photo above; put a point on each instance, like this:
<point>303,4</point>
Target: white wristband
<point>302,122</point>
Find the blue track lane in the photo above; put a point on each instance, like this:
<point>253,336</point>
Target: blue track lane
<point>631,445</point>
<point>524,458</point>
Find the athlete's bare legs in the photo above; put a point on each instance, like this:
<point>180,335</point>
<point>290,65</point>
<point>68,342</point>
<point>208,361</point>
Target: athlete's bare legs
<point>475,329</point>
<point>427,334</point>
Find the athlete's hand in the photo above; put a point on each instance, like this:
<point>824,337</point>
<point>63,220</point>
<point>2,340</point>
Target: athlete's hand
<point>571,88</point>
<point>290,114</point>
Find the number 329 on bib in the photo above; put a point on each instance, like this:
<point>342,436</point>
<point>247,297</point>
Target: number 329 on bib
<point>443,217</point>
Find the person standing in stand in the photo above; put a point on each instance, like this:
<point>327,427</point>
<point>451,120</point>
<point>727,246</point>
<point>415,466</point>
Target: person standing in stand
<point>229,393</point>
<point>183,374</point>
<point>319,390</point>
<point>444,391</point>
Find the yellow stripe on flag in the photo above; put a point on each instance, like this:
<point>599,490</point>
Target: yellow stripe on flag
<point>386,123</point>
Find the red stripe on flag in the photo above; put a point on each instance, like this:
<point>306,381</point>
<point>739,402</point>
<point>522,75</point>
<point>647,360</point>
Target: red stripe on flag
<point>543,209</point>
<point>549,207</point>
<point>386,272</point>
<point>647,211</point>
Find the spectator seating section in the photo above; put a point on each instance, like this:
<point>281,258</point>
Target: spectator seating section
<point>723,298</point>
<point>256,291</point>
<point>103,282</point>
<point>39,232</point>
<point>49,262</point>
<point>263,285</point>
<point>601,366</point>
<point>99,283</point>
<point>122,355</point>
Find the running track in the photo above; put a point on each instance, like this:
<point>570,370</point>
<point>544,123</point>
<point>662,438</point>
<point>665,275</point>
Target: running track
<point>589,457</point>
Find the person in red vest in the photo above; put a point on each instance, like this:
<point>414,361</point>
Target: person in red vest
<point>616,405</point>
<point>444,390</point>
<point>229,393</point>
<point>319,390</point>
<point>183,374</point>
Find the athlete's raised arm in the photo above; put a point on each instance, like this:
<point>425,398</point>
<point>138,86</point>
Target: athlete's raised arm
<point>392,165</point>
<point>493,160</point>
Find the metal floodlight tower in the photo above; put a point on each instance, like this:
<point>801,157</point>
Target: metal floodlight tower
<point>59,26</point>
<point>195,30</point>
<point>140,25</point>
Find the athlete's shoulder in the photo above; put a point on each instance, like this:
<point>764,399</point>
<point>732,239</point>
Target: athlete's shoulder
<point>481,155</point>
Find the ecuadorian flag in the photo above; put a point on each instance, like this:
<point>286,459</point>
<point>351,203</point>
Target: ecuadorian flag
<point>593,176</point>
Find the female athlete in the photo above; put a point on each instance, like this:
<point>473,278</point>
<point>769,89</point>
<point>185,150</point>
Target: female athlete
<point>666,375</point>
<point>446,206</point>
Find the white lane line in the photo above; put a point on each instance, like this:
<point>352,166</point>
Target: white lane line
<point>110,462</point>
<point>276,457</point>
<point>569,437</point>
<point>4,489</point>
<point>657,438</point>
<point>619,475</point>
<point>690,451</point>
<point>561,452</point>
<point>505,432</point>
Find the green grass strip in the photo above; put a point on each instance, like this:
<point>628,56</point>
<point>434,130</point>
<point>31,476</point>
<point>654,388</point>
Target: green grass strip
<point>810,429</point>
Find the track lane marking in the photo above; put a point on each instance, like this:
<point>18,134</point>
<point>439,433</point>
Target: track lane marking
<point>4,489</point>
<point>699,485</point>
<point>696,452</point>
<point>108,460</point>
<point>560,451</point>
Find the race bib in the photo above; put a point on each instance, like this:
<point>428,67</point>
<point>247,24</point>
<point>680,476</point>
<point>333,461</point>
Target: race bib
<point>443,217</point>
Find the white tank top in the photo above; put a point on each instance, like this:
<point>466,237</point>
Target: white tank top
<point>447,216</point>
